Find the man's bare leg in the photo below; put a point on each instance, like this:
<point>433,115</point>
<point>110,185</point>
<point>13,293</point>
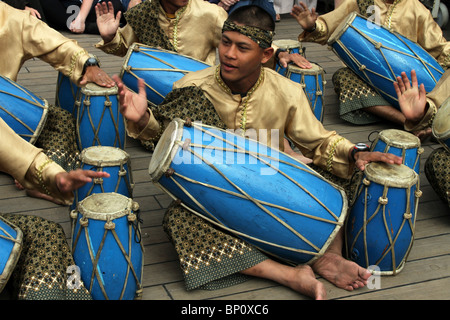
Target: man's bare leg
<point>339,271</point>
<point>300,278</point>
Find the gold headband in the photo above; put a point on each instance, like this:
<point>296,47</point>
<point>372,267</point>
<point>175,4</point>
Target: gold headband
<point>262,37</point>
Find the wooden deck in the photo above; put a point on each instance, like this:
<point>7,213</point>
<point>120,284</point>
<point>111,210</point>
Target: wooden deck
<point>425,276</point>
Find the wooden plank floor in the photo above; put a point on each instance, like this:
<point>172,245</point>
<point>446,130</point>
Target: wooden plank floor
<point>425,276</point>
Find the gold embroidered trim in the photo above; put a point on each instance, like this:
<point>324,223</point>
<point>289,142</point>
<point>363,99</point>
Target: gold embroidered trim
<point>116,48</point>
<point>39,176</point>
<point>390,14</point>
<point>74,59</point>
<point>332,152</point>
<point>247,97</point>
<point>175,27</point>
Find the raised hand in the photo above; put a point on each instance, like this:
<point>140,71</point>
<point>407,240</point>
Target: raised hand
<point>305,18</point>
<point>411,98</point>
<point>107,23</point>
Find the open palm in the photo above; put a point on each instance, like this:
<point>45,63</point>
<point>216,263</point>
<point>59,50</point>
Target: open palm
<point>107,22</point>
<point>411,98</point>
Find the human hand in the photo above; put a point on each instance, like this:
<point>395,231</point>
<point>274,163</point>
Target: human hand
<point>98,76</point>
<point>133,106</point>
<point>107,23</point>
<point>362,158</point>
<point>284,58</point>
<point>78,25</point>
<point>412,99</point>
<point>33,12</point>
<point>305,18</point>
<point>75,179</point>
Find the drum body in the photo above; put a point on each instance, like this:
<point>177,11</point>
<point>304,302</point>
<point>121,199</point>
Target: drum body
<point>402,144</point>
<point>159,68</point>
<point>106,246</point>
<point>259,194</point>
<point>23,111</point>
<point>113,160</point>
<point>10,248</point>
<point>99,121</point>
<point>378,56</point>
<point>381,224</point>
<point>291,46</point>
<point>66,94</point>
<point>313,83</point>
<point>441,125</point>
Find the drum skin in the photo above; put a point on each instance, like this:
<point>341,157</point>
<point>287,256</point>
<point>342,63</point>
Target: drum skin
<point>22,110</point>
<point>402,144</point>
<point>441,125</point>
<point>159,68</point>
<point>378,56</point>
<point>272,201</point>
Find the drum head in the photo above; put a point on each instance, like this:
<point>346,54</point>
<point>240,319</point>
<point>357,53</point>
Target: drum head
<point>399,138</point>
<point>314,70</point>
<point>165,149</point>
<point>392,175</point>
<point>104,156</point>
<point>105,206</point>
<point>441,123</point>
<point>287,43</point>
<point>341,28</point>
<point>92,89</point>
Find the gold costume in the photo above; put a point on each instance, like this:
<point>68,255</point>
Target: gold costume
<point>195,30</point>
<point>41,271</point>
<point>408,17</point>
<point>210,257</point>
<point>23,37</point>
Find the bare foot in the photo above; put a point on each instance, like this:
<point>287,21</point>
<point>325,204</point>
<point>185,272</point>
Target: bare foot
<point>341,272</point>
<point>423,134</point>
<point>300,278</point>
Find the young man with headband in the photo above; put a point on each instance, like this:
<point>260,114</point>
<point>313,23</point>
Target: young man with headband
<point>241,94</point>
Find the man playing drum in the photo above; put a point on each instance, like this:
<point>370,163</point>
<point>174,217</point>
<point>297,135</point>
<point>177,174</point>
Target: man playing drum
<point>420,110</point>
<point>41,270</point>
<point>359,102</point>
<point>241,94</point>
<point>34,38</point>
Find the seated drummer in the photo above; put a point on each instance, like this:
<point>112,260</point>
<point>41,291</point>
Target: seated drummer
<point>359,103</point>
<point>420,109</point>
<point>34,38</point>
<point>41,270</point>
<point>243,95</point>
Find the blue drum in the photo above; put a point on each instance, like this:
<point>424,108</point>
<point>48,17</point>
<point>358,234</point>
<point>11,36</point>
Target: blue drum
<point>313,83</point>
<point>10,247</point>
<point>441,125</point>
<point>402,144</point>
<point>378,56</point>
<point>257,193</point>
<point>99,121</point>
<point>23,111</point>
<point>159,68</point>
<point>66,94</point>
<point>291,46</point>
<point>107,248</point>
<point>381,223</point>
<point>113,160</point>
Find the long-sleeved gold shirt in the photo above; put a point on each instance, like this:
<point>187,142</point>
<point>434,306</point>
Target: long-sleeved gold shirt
<point>29,165</point>
<point>196,31</point>
<point>286,113</point>
<point>23,37</point>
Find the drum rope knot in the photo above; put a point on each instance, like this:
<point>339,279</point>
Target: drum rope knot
<point>382,200</point>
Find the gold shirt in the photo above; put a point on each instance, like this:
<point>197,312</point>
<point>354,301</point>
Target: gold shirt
<point>195,31</point>
<point>23,37</point>
<point>287,113</point>
<point>29,165</point>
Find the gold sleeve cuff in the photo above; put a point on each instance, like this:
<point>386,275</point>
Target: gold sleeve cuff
<point>426,121</point>
<point>42,174</point>
<point>151,130</point>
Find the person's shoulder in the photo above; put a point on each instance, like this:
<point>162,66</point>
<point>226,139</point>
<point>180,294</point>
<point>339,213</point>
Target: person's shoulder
<point>207,7</point>
<point>196,78</point>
